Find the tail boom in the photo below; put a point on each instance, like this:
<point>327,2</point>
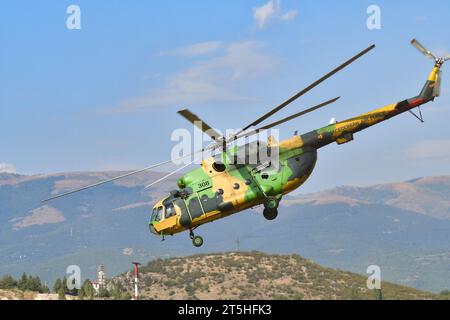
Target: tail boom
<point>342,132</point>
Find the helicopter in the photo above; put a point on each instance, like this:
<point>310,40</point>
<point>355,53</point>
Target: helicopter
<point>227,182</point>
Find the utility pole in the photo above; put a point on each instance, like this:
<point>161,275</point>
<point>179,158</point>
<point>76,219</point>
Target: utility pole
<point>136,280</point>
<point>237,244</point>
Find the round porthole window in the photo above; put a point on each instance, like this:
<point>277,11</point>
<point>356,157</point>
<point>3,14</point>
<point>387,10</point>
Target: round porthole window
<point>219,192</point>
<point>219,167</point>
<point>236,186</point>
<point>248,182</point>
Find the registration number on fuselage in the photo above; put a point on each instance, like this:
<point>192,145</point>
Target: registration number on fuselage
<point>203,184</point>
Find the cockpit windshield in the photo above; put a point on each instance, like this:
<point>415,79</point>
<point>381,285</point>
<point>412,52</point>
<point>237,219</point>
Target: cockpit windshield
<point>157,214</point>
<point>164,211</point>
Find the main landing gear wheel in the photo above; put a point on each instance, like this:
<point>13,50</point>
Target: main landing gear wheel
<point>197,241</point>
<point>270,214</point>
<point>271,208</point>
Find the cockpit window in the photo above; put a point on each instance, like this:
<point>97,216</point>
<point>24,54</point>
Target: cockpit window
<point>154,214</point>
<point>170,210</point>
<point>157,214</point>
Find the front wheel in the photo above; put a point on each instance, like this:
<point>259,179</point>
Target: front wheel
<point>270,214</point>
<point>197,241</point>
<point>271,203</point>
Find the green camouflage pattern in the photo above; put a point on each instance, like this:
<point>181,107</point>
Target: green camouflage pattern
<point>220,187</point>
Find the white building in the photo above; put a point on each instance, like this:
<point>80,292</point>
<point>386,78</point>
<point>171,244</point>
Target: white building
<point>101,279</point>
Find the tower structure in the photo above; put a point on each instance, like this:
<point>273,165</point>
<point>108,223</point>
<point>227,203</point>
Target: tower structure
<point>101,276</point>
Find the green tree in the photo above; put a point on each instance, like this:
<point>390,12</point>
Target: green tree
<point>22,284</point>
<point>34,284</point>
<point>115,292</point>
<point>61,294</point>
<point>118,292</point>
<point>25,283</point>
<point>81,294</point>
<point>355,293</point>
<point>44,289</point>
<point>378,294</point>
<point>126,296</point>
<point>103,293</point>
<point>57,286</point>
<point>64,285</point>
<point>88,289</point>
<point>8,282</point>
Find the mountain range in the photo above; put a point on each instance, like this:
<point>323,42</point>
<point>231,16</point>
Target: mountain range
<point>404,228</point>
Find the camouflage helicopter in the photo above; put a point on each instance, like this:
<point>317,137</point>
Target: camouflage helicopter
<point>227,182</point>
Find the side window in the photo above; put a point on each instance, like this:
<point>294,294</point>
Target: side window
<point>170,210</point>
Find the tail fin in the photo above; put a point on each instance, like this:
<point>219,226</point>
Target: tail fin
<point>432,87</point>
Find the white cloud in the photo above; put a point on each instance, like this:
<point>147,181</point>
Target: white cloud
<point>291,14</point>
<point>272,10</point>
<point>7,168</point>
<point>197,49</point>
<point>264,13</point>
<point>430,150</point>
<point>213,79</point>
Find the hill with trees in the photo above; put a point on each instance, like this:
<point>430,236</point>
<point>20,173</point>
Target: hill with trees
<point>233,275</point>
<point>255,275</point>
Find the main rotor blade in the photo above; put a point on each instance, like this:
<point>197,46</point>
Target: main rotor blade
<point>168,175</point>
<point>422,49</point>
<point>302,92</point>
<point>199,123</point>
<point>274,124</point>
<point>126,175</point>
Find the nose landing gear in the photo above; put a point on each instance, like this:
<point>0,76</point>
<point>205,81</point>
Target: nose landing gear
<point>270,214</point>
<point>271,208</point>
<point>197,241</point>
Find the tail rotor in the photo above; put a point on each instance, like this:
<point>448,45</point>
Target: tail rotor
<point>439,60</point>
<point>422,49</point>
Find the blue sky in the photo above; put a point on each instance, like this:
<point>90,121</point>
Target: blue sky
<point>106,96</point>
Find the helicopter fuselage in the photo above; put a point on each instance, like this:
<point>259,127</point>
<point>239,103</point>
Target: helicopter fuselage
<point>220,188</point>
